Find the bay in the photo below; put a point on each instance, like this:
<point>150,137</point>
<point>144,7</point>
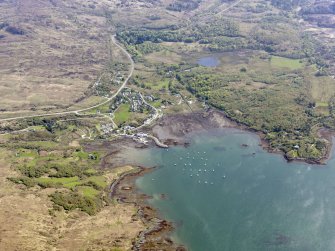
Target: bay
<point>224,192</point>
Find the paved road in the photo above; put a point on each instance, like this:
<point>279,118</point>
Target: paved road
<point>154,117</point>
<point>91,107</point>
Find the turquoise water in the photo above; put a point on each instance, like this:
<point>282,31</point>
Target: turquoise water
<point>210,61</point>
<point>223,196</point>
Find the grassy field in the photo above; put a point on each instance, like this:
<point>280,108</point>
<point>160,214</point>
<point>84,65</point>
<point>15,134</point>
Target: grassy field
<point>165,56</point>
<point>122,114</point>
<point>88,191</point>
<point>87,102</point>
<point>69,182</point>
<point>160,85</point>
<point>322,88</point>
<point>292,64</point>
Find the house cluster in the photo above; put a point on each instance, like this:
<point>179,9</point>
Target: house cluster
<point>107,128</point>
<point>109,80</point>
<point>137,104</point>
<point>138,137</point>
<point>150,98</point>
<point>141,138</point>
<point>118,79</point>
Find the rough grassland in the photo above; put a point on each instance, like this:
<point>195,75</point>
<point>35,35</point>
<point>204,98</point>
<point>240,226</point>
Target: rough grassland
<point>26,222</point>
<point>62,50</point>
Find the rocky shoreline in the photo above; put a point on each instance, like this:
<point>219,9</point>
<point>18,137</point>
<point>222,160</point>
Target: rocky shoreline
<point>172,130</point>
<point>156,234</point>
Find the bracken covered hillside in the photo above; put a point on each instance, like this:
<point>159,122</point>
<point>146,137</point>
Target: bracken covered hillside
<point>50,51</point>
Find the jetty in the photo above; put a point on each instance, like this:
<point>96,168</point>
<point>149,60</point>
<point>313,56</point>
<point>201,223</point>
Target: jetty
<point>158,142</point>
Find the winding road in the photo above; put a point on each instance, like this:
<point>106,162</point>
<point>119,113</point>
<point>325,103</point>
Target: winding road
<point>117,92</point>
<point>154,117</point>
<point>132,66</point>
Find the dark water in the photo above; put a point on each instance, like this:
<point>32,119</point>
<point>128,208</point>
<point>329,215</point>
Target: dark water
<point>225,196</point>
<point>210,61</point>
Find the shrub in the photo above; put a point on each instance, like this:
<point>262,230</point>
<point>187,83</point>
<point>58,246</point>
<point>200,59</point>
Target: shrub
<point>15,30</point>
<point>72,200</point>
<point>33,171</point>
<point>28,182</point>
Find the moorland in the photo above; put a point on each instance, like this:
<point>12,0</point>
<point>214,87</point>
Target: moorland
<point>275,75</point>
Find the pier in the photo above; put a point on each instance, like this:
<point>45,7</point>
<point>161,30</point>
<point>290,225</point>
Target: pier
<point>157,142</point>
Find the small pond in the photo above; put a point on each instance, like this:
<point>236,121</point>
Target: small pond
<point>209,61</point>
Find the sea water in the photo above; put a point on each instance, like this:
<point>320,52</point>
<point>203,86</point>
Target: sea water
<point>224,192</point>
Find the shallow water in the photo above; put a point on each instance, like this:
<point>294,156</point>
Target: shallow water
<point>210,61</point>
<point>223,196</point>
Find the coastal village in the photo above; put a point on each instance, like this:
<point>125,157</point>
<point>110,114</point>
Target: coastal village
<point>145,125</point>
<point>138,104</point>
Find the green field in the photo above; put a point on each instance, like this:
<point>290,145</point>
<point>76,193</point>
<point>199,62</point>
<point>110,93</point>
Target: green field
<point>68,182</point>
<point>159,85</point>
<point>100,181</point>
<point>88,191</point>
<point>282,62</point>
<point>321,104</point>
<point>122,114</point>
